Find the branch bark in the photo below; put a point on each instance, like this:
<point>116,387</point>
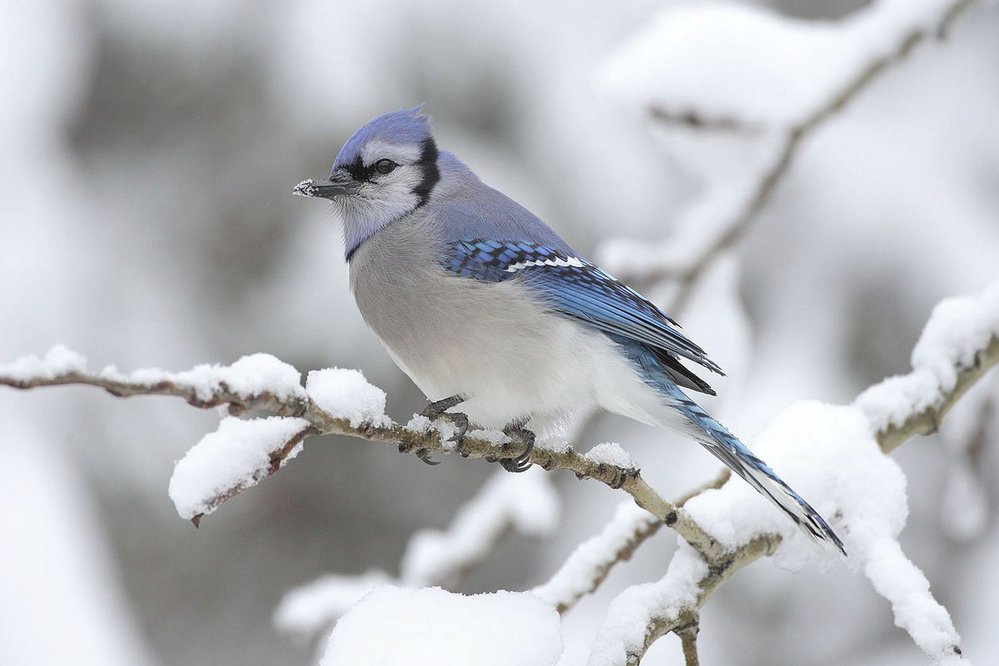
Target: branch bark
<point>927,421</point>
<point>688,641</point>
<point>407,440</point>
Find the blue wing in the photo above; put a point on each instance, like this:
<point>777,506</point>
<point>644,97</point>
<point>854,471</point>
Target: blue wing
<point>575,288</point>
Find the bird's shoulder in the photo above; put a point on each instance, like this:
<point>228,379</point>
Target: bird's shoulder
<point>476,210</point>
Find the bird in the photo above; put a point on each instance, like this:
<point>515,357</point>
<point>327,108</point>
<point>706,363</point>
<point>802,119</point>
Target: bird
<point>483,305</point>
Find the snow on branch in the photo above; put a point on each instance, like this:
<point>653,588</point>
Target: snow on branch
<point>593,559</point>
<point>591,562</point>
<point>846,475</point>
<point>393,625</point>
<point>333,402</point>
<point>525,503</point>
<point>769,96</point>
<point>233,458</point>
<point>958,345</point>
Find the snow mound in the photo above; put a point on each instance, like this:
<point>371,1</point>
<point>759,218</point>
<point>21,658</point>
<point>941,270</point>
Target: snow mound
<point>392,625</point>
<point>346,394</point>
<point>234,457</point>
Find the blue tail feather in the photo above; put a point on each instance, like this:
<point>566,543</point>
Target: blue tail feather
<point>726,447</point>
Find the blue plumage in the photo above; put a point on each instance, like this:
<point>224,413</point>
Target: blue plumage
<point>575,288</point>
<point>405,126</point>
<point>483,304</point>
<point>726,447</point>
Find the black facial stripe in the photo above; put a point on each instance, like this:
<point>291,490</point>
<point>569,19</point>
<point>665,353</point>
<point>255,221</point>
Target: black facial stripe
<point>360,172</point>
<point>431,174</point>
<point>427,163</point>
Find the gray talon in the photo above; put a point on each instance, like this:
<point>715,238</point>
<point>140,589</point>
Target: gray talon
<point>435,410</point>
<point>424,455</point>
<point>460,421</point>
<point>517,432</point>
<point>438,410</point>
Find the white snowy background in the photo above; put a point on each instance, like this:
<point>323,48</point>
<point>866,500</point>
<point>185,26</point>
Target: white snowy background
<point>147,153</point>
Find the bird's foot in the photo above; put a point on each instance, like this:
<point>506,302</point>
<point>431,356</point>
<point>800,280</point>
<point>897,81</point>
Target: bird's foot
<point>421,453</point>
<point>518,434</point>
<point>438,410</point>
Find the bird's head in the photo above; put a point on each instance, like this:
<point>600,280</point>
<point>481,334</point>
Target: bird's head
<point>386,170</point>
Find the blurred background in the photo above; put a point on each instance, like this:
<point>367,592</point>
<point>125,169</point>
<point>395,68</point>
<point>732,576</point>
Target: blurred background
<point>146,219</point>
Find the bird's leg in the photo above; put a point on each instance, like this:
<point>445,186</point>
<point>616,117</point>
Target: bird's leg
<point>516,431</point>
<point>437,410</point>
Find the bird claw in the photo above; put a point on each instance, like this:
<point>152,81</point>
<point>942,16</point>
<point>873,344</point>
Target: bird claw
<point>438,410</point>
<point>517,432</point>
<point>424,455</point>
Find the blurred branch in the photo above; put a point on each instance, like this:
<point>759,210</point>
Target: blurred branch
<point>527,504</point>
<point>687,271</point>
<point>927,421</point>
<point>524,503</point>
<point>693,120</point>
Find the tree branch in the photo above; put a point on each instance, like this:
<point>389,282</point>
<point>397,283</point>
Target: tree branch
<point>688,641</point>
<point>685,275</point>
<point>889,436</point>
<point>620,545</point>
<point>687,270</point>
<point>407,440</point>
<point>592,561</point>
<point>927,421</point>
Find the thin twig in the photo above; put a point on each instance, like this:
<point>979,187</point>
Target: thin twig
<point>928,420</point>
<point>622,544</point>
<point>718,574</point>
<point>790,139</point>
<point>688,641</point>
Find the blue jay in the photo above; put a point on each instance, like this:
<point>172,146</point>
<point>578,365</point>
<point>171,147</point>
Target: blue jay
<point>483,305</point>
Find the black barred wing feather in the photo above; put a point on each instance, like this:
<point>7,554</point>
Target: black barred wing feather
<point>575,288</point>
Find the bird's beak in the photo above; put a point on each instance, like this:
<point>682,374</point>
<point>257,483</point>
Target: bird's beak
<point>339,184</point>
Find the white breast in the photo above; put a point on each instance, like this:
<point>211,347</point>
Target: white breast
<point>487,341</point>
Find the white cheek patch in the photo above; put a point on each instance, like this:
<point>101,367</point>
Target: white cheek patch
<point>392,194</point>
<point>375,150</point>
<point>400,181</point>
<point>564,263</point>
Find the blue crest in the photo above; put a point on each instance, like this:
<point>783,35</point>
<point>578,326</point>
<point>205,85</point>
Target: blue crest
<point>405,126</point>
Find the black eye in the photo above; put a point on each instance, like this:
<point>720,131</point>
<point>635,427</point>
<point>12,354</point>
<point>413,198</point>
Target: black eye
<point>385,166</point>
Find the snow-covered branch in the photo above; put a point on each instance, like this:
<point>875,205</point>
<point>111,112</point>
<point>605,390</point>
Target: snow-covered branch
<point>591,562</point>
<point>333,402</point>
<point>846,475</point>
<point>780,107</point>
<point>959,344</point>
<point>957,348</point>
